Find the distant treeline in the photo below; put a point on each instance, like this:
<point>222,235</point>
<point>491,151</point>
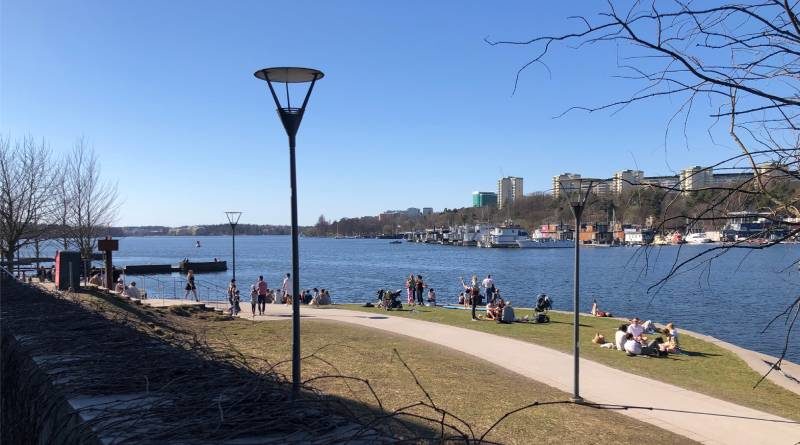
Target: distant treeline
<point>201,230</point>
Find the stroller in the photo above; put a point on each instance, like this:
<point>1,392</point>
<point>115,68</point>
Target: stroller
<point>543,305</point>
<point>388,300</point>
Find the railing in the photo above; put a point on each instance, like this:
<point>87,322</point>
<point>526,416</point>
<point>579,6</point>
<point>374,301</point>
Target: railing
<point>174,287</point>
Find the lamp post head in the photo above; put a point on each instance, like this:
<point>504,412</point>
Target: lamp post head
<point>233,217</point>
<point>290,116</point>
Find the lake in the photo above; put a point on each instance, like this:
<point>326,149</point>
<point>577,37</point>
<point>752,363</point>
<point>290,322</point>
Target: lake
<point>732,297</point>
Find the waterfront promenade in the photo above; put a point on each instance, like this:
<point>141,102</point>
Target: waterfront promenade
<point>696,416</point>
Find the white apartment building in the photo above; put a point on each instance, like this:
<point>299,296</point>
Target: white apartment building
<point>509,189</point>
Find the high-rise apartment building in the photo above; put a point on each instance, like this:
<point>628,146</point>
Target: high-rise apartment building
<point>509,189</point>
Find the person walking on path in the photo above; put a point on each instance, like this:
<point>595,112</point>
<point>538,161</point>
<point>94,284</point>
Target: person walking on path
<point>253,299</point>
<point>261,287</point>
<point>235,308</point>
<point>488,285</point>
<point>231,292</point>
<point>420,285</point>
<point>286,287</point>
<point>190,287</point>
<point>410,289</point>
<point>473,293</point>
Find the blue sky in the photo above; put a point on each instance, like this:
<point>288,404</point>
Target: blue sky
<point>415,108</point>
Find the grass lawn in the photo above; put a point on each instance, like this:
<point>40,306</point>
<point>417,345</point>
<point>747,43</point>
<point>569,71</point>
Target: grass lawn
<point>705,368</point>
<point>473,389</point>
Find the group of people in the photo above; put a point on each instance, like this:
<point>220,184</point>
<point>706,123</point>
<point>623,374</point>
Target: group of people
<point>472,297</point>
<point>415,291</point>
<point>632,338</point>
<point>130,291</point>
<point>261,294</point>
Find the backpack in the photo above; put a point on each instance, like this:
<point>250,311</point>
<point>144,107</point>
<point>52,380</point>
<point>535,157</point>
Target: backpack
<point>507,315</point>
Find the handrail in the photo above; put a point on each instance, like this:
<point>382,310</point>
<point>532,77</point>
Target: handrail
<point>174,286</point>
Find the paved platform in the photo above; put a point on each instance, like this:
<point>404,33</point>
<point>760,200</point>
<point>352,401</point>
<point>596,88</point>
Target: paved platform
<point>691,414</point>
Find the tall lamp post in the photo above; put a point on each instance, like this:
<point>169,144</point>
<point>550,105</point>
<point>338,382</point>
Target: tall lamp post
<point>577,201</point>
<point>233,220</point>
<point>291,118</point>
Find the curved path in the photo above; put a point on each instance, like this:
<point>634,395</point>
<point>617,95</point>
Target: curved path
<point>696,416</point>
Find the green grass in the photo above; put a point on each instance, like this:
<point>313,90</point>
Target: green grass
<point>705,368</point>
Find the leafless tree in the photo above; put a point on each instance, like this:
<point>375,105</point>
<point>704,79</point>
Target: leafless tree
<point>26,193</point>
<point>89,202</point>
<point>740,62</point>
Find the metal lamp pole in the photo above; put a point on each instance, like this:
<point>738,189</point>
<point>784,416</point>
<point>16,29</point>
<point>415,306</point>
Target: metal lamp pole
<point>577,210</point>
<point>233,220</point>
<point>578,203</point>
<point>291,118</point>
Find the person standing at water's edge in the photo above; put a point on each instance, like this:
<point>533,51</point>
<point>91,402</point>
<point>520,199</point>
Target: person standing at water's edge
<point>420,285</point>
<point>286,287</point>
<point>190,287</point>
<point>262,289</point>
<point>410,289</point>
<point>488,285</point>
<point>472,292</point>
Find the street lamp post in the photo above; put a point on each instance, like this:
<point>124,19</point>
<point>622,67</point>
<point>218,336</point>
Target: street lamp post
<point>233,220</point>
<point>291,118</point>
<point>577,201</point>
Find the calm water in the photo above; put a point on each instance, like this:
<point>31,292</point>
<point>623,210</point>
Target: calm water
<point>732,298</point>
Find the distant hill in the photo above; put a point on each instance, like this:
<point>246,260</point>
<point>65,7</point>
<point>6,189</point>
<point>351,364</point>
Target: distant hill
<point>200,230</point>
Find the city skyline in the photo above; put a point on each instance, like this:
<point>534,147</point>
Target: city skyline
<point>186,144</point>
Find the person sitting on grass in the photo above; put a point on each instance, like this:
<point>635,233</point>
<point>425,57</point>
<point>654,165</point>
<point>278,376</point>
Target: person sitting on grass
<point>597,312</point>
<point>462,300</point>
<point>619,337</point>
<point>671,345</point>
<point>132,291</point>
<point>324,297</point>
<point>673,332</point>
<point>491,310</point>
<point>632,347</point>
<point>120,287</point>
<point>637,330</point>
<point>431,297</point>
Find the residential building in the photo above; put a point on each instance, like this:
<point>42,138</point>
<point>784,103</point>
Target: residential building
<point>427,210</point>
<point>568,182</point>
<point>509,189</point>
<point>484,199</point>
<point>626,179</point>
<point>695,178</point>
<point>565,182</point>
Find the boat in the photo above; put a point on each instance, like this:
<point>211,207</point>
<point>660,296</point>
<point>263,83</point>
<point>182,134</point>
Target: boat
<point>205,266</point>
<point>544,243</point>
<point>395,242</point>
<point>505,235</point>
<point>697,238</point>
<point>197,243</point>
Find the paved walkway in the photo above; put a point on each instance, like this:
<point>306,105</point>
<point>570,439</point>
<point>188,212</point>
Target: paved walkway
<point>697,416</point>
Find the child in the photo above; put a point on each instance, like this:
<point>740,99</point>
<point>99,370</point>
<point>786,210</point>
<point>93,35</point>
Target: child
<point>253,299</point>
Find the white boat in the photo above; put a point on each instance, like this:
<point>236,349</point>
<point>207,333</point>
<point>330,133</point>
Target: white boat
<point>544,243</point>
<point>697,238</point>
<point>506,235</point>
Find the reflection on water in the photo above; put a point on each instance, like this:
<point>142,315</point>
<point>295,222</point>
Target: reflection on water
<point>733,297</point>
